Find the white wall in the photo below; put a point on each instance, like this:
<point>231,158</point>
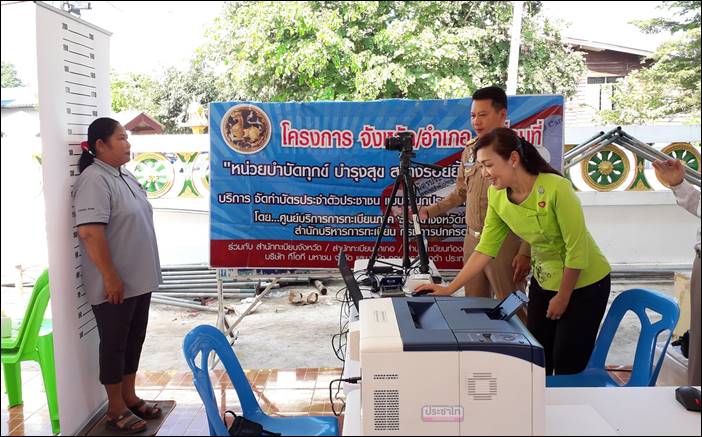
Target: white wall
<point>633,229</point>
<point>641,229</point>
<point>183,236</point>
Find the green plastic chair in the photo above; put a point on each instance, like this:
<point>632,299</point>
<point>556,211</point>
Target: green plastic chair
<point>34,341</point>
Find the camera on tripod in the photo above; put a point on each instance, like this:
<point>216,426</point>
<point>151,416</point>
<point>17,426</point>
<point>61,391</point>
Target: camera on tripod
<point>401,141</point>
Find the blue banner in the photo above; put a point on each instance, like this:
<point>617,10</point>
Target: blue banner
<point>294,183</point>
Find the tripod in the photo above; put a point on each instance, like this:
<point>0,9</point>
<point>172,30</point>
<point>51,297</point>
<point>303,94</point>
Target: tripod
<point>404,180</point>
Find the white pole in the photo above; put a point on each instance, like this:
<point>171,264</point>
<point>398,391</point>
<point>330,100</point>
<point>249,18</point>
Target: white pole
<point>513,68</point>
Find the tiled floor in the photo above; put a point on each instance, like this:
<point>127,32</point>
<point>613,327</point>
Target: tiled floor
<point>621,374</point>
<point>294,392</point>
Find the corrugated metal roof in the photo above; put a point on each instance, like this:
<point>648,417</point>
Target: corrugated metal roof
<point>597,45</point>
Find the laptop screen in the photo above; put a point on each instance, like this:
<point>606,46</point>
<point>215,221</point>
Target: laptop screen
<point>350,280</point>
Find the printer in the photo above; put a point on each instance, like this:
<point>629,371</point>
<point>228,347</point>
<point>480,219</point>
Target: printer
<point>448,366</point>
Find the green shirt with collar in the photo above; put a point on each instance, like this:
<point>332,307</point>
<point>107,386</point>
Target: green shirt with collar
<point>551,220</point>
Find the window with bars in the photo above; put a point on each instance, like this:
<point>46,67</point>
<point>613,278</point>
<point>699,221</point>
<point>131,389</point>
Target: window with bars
<point>599,91</point>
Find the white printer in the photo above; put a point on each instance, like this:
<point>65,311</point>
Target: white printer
<point>448,366</point>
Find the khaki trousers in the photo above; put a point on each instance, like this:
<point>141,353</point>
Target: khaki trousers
<point>496,280</point>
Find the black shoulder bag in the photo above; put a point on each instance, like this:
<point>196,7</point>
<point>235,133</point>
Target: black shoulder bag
<point>244,427</point>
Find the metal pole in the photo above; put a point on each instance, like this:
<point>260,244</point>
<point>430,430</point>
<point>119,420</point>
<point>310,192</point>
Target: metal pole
<point>220,317</point>
<point>228,294</point>
<point>180,303</point>
<point>211,282</point>
<point>220,302</point>
<point>655,152</point>
<point>251,307</point>
<point>212,289</point>
<point>513,68</point>
<point>587,145</point>
<point>214,360</point>
<point>189,277</point>
<point>320,287</point>
<point>585,155</point>
<point>203,286</point>
<point>595,139</point>
<point>652,155</point>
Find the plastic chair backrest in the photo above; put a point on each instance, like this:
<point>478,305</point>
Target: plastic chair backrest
<point>28,342</point>
<point>643,372</point>
<point>202,340</point>
<point>40,283</point>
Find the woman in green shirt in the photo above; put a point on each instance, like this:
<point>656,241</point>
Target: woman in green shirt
<point>570,288</point>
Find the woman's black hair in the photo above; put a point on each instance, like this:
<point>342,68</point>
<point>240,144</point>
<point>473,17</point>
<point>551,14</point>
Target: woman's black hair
<point>100,129</point>
<point>504,141</point>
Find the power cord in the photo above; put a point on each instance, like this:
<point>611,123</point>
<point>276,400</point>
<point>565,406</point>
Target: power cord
<point>353,380</point>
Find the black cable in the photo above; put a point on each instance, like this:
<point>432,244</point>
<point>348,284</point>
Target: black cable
<point>340,350</point>
<point>338,389</point>
<point>340,380</point>
<point>342,295</point>
<point>336,398</point>
<point>338,292</point>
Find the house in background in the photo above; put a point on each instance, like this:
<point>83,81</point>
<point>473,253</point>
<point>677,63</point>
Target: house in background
<point>138,123</point>
<point>606,64</point>
<point>20,115</point>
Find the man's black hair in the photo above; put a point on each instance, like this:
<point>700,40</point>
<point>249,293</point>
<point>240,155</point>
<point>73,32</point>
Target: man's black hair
<point>495,94</point>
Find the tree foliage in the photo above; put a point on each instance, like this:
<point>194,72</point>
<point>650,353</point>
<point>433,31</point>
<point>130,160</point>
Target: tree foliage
<point>365,50</point>
<point>178,88</point>
<point>670,86</point>
<point>167,98</point>
<point>9,76</point>
<point>133,91</point>
<point>336,50</point>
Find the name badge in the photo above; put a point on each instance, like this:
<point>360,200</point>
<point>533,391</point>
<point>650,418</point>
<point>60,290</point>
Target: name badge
<point>470,163</point>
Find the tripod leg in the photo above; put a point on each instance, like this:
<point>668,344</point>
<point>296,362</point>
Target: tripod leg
<point>391,202</point>
<point>418,233</point>
<point>406,262</point>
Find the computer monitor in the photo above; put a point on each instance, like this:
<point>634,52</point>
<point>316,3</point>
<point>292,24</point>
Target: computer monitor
<point>350,280</point>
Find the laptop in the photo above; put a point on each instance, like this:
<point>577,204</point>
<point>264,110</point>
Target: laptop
<point>351,283</point>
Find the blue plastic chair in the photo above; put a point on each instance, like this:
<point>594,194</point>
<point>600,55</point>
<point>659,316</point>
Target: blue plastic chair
<point>644,372</point>
<point>202,340</point>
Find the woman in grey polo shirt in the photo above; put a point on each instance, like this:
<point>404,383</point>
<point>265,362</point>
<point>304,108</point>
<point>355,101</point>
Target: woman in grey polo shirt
<point>121,269</point>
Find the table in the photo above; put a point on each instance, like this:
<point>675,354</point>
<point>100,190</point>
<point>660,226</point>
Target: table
<point>593,411</point>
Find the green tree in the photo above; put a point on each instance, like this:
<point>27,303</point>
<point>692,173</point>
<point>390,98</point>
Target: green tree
<point>9,76</point>
<point>337,50</point>
<point>166,98</point>
<point>671,84</point>
<point>133,91</point>
<point>178,88</point>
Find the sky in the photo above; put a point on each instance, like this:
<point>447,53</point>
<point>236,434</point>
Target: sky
<point>146,36</point>
<point>150,36</point>
<point>608,22</point>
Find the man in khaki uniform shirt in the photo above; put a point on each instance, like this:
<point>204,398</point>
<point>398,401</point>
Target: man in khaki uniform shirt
<point>488,111</point>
